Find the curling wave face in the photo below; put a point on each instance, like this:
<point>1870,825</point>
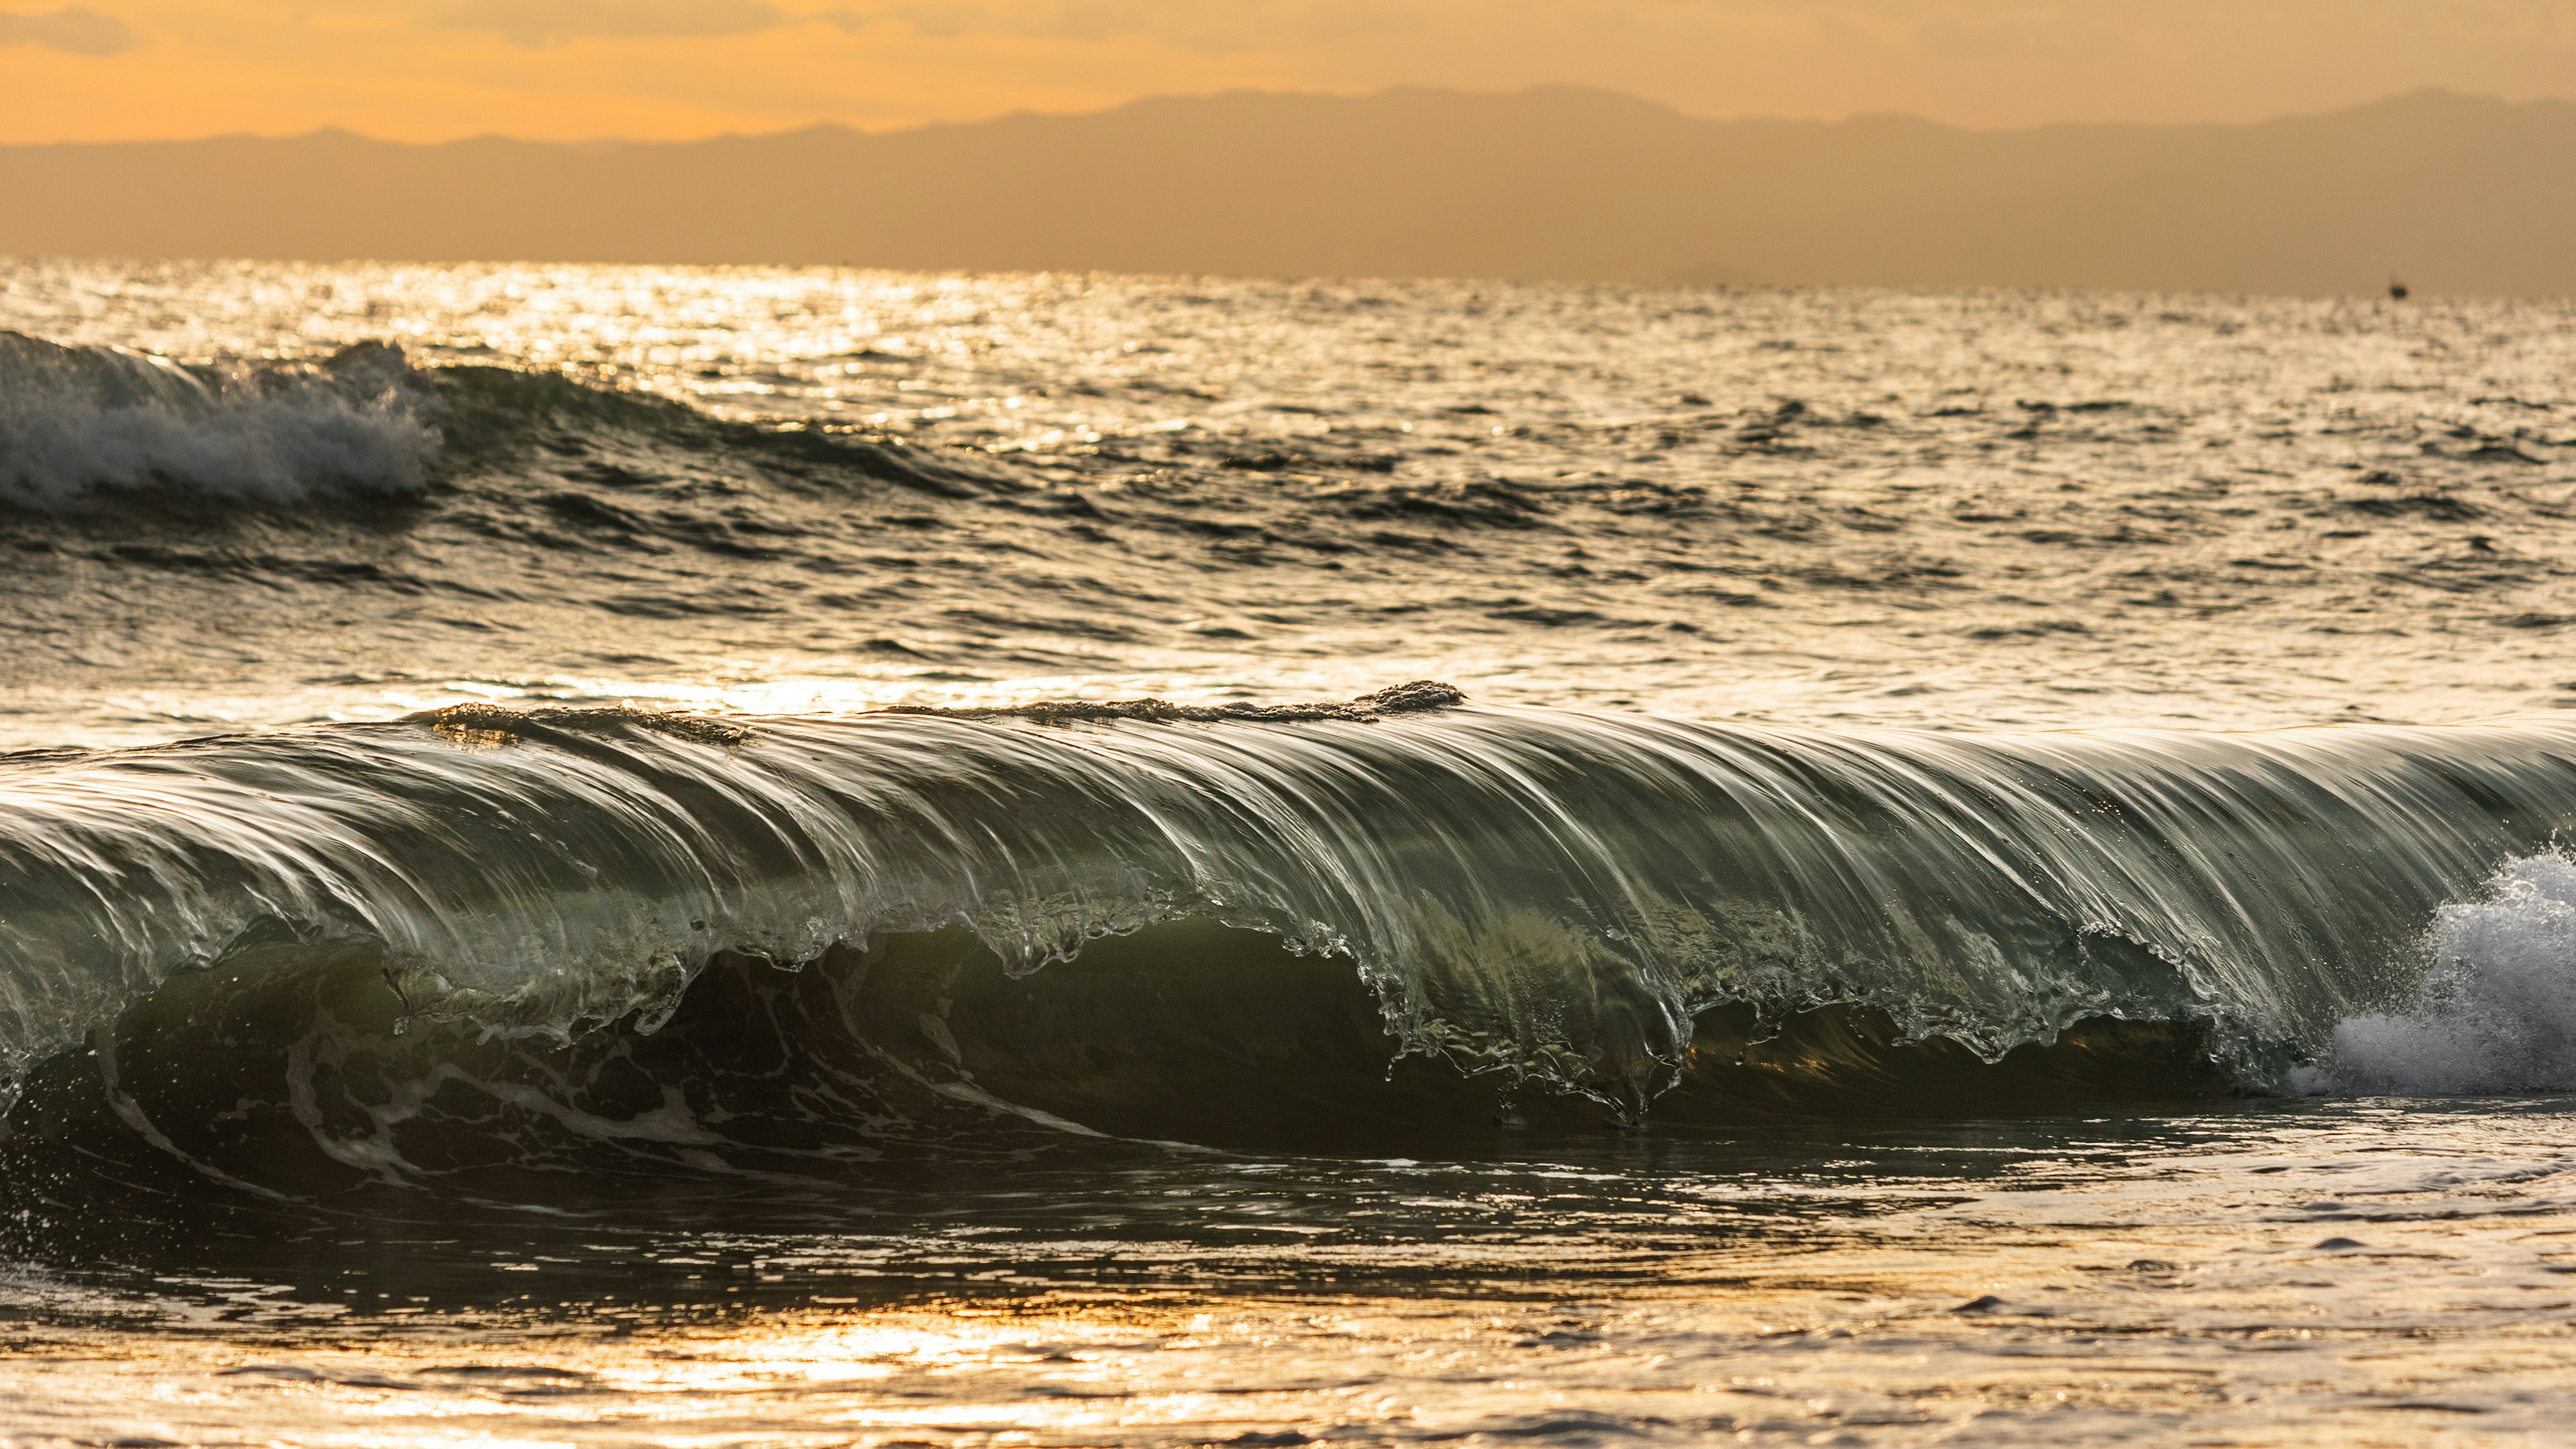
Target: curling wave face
<point>1553,903</point>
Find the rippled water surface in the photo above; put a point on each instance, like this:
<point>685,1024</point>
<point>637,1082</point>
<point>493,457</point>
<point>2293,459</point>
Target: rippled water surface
<point>1962,510</point>
<point>2380,1274</point>
<point>583,863</point>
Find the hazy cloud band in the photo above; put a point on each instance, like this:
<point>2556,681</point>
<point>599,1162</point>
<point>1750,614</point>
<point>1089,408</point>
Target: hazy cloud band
<point>554,22</point>
<point>71,30</point>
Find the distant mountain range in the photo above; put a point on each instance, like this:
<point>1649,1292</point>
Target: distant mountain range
<point>2455,194</point>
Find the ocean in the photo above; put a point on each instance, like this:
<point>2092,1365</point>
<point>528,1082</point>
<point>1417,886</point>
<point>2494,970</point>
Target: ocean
<point>666,856</point>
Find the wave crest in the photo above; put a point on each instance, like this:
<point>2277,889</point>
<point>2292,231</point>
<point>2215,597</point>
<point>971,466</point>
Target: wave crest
<point>81,424</point>
<point>1544,897</point>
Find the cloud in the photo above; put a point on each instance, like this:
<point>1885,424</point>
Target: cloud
<point>79,32</point>
<point>2028,35</point>
<point>553,22</point>
<point>1218,27</point>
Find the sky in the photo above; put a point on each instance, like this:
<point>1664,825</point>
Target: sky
<point>428,70</point>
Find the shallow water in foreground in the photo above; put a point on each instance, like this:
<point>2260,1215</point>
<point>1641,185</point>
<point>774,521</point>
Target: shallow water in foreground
<point>2378,1272</point>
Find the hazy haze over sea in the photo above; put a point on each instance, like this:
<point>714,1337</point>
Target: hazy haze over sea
<point>1710,865</point>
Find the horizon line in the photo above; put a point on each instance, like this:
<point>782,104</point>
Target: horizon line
<point>1235,92</point>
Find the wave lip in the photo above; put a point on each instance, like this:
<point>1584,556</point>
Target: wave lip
<point>1552,897</point>
<point>79,424</point>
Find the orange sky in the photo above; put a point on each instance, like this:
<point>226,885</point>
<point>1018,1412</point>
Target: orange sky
<point>563,69</point>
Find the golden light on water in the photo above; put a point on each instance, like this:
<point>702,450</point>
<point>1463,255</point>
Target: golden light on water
<point>2225,1287</point>
<point>1873,557</point>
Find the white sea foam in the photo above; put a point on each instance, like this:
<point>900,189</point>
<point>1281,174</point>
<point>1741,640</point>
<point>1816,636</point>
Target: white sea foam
<point>2497,1008</point>
<point>76,420</point>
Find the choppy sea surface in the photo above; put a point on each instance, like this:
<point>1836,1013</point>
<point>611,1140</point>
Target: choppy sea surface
<point>663,856</point>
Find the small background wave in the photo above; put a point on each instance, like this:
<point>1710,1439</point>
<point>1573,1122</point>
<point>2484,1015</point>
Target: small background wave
<point>80,424</point>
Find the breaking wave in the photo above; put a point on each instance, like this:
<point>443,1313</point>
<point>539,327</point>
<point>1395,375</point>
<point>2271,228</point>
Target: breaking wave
<point>80,423</point>
<point>452,938</point>
<point>2496,1011</point>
